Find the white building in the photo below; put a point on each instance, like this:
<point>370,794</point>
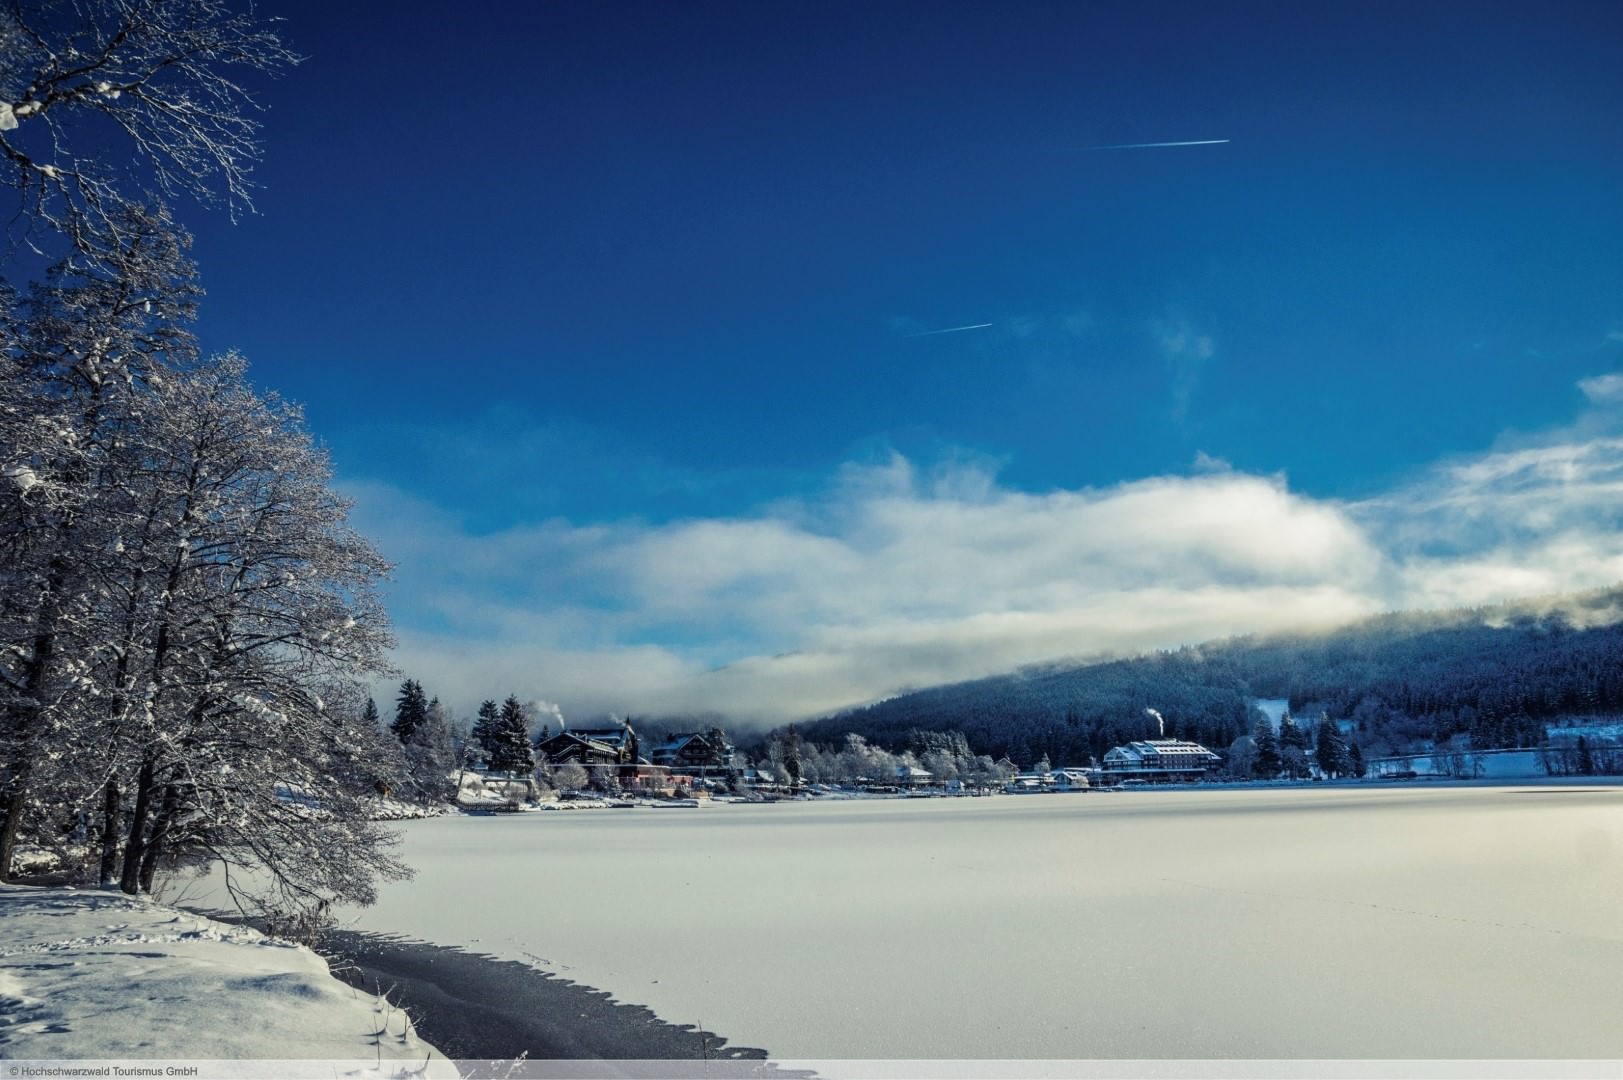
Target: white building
<point>1159,760</point>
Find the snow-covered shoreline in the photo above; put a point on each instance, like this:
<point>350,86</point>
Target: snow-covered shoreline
<point>99,979</point>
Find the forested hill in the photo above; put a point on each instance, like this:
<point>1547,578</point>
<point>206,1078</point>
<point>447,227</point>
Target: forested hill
<point>1496,674</point>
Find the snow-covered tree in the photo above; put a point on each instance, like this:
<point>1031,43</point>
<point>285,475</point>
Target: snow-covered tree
<point>261,598</point>
<point>83,358</point>
<point>1330,751</point>
<point>206,600</point>
<point>511,750</point>
<point>185,616</point>
<point>103,100</point>
<point>410,710</point>
<point>570,777</point>
<point>486,733</point>
<point>861,760</point>
<point>432,761</point>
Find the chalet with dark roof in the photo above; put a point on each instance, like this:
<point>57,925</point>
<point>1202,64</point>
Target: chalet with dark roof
<point>697,753</point>
<point>591,746</point>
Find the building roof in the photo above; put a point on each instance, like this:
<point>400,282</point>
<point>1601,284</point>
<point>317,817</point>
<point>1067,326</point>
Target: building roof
<point>1162,753</point>
<point>608,735</point>
<point>676,743</point>
<point>606,743</point>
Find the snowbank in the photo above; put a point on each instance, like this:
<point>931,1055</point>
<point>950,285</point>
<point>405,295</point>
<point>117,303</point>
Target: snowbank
<point>103,977</point>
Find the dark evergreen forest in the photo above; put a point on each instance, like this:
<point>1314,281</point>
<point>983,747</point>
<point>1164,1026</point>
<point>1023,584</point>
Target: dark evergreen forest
<point>1493,676</point>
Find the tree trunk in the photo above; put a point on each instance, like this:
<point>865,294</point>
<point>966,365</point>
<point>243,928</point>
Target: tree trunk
<point>19,771</point>
<point>135,847</point>
<point>11,814</point>
<point>110,806</point>
<point>160,833</point>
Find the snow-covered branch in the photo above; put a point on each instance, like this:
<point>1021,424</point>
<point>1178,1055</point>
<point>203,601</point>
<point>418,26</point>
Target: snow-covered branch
<point>162,77</point>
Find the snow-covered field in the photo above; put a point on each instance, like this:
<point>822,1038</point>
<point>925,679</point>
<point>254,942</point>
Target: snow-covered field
<point>1340,923</point>
<point>99,976</point>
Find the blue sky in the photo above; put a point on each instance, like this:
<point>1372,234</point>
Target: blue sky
<point>611,315</point>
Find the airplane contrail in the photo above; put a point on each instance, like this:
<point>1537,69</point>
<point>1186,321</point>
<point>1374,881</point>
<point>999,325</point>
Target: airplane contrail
<point>950,330</point>
<point>1152,145</point>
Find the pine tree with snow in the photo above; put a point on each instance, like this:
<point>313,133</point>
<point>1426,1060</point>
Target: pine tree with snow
<point>1331,752</point>
<point>410,710</point>
<point>511,753</point>
<point>487,730</point>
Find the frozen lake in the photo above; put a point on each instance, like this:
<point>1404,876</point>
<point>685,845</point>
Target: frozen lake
<point>1395,922</point>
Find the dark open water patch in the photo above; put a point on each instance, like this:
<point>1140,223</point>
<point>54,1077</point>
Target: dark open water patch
<point>474,1006</point>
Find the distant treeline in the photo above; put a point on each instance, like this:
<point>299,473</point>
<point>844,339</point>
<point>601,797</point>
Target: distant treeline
<point>1496,675</point>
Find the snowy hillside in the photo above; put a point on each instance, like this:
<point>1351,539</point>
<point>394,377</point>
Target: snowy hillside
<point>100,976</point>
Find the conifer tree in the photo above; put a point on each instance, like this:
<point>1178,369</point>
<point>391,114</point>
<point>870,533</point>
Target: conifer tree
<point>487,730</point>
<point>1268,762</point>
<point>410,710</point>
<point>511,753</point>
<point>1291,733</point>
<point>1331,753</point>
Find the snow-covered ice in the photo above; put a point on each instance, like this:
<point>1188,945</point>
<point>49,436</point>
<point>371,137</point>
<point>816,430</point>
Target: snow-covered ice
<point>101,976</point>
<point>1370,922</point>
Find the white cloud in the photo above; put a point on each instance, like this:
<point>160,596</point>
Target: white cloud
<point>1603,389</point>
<point>1515,497</point>
<point>899,576</point>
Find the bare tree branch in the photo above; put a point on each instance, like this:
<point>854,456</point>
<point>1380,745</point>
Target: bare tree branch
<point>85,82</point>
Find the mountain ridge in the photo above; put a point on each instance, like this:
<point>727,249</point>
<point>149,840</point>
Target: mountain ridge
<point>1491,676</point>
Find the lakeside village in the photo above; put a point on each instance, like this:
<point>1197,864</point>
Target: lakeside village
<point>604,766</point>
<point>611,766</point>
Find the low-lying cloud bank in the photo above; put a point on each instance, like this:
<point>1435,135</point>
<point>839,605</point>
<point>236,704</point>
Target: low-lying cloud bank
<point>898,576</point>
